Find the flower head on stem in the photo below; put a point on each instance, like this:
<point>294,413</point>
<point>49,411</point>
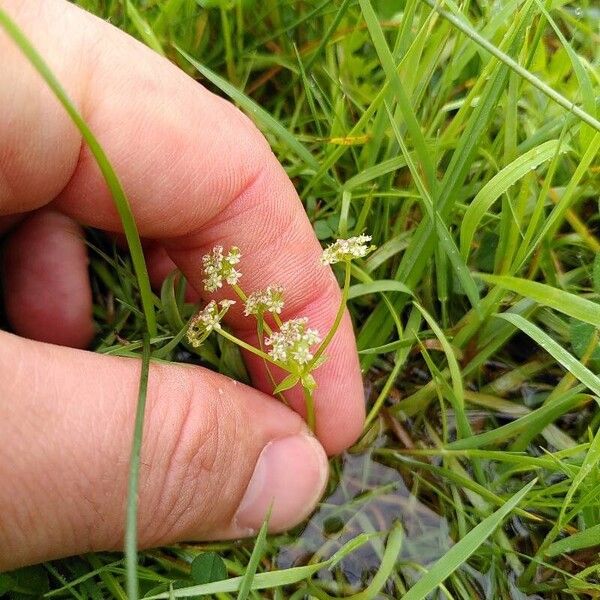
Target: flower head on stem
<point>206,321</point>
<point>345,250</point>
<point>219,266</point>
<point>293,342</point>
<point>269,300</point>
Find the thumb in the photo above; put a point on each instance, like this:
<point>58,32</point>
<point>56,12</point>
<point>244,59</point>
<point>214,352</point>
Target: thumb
<point>216,454</point>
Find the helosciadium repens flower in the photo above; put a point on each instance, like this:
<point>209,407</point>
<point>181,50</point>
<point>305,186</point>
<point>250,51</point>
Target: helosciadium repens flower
<point>207,321</point>
<point>219,267</point>
<point>344,250</point>
<point>293,342</point>
<point>294,346</point>
<point>269,300</point>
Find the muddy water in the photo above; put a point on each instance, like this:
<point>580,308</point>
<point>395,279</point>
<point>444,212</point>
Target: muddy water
<point>369,497</point>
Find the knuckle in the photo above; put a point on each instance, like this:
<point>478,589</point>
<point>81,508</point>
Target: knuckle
<point>188,459</point>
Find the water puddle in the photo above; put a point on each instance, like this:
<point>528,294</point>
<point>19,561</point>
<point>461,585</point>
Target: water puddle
<point>369,497</point>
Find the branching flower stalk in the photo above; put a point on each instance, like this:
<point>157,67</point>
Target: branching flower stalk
<point>290,342</point>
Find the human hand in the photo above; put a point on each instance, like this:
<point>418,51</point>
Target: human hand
<point>197,172</point>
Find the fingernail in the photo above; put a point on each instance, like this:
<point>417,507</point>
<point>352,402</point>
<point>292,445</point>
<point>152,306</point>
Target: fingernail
<point>289,478</point>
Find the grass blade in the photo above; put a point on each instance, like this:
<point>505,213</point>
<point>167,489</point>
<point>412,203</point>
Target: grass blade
<point>461,552</point>
<point>404,103</point>
<point>144,29</point>
<point>578,541</point>
<point>564,302</point>
<point>538,418</point>
<point>388,561</point>
<point>498,185</point>
<point>566,359</point>
<point>260,114</point>
<point>381,285</point>
<point>517,68</point>
<point>444,237</point>
<point>257,553</point>
<point>131,558</point>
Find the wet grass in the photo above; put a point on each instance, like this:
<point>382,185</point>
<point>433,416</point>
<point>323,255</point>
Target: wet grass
<point>465,139</point>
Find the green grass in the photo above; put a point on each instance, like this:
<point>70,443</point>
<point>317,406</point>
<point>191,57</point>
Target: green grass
<point>466,140</point>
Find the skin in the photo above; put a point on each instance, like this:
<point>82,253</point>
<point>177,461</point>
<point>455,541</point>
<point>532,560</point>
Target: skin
<point>197,172</point>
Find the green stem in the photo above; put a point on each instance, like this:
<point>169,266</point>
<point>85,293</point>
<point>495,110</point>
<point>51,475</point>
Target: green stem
<point>259,330</point>
<point>111,178</point>
<point>310,408</point>
<point>338,317</point>
<point>240,292</point>
<point>131,558</point>
<point>243,297</point>
<point>250,348</point>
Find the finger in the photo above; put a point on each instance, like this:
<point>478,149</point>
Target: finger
<point>47,292</point>
<point>199,173</point>
<point>215,455</point>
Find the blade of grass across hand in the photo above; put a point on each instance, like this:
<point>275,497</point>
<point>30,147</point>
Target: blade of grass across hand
<point>131,558</point>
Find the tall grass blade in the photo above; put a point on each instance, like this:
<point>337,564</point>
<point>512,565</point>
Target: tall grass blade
<point>461,552</point>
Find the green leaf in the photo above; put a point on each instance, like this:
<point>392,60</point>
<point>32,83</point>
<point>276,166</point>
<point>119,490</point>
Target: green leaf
<point>29,581</point>
<point>578,541</point>
<point>263,118</point>
<point>443,235</point>
<point>567,104</point>
<point>131,525</point>
<point>258,551</point>
<point>381,285</point>
<point>388,561</point>
<point>460,553</point>
<point>261,581</point>
<point>208,567</point>
<point>581,336</point>
<point>564,302</point>
<point>537,419</point>
<point>498,185</point>
<point>566,359</point>
<point>289,382</point>
<point>144,29</point>
<point>464,426</point>
<point>322,229</point>
<point>596,273</point>
<point>405,105</point>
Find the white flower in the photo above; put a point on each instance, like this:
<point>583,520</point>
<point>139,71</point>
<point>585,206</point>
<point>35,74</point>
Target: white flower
<point>219,267</point>
<point>293,341</point>
<point>262,301</point>
<point>207,321</point>
<point>342,250</point>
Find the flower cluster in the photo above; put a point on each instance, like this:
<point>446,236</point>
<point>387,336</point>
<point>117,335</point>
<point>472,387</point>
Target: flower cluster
<point>293,342</point>
<point>207,321</point>
<point>269,300</point>
<point>219,266</point>
<point>344,250</point>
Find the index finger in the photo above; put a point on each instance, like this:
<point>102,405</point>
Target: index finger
<point>196,171</point>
